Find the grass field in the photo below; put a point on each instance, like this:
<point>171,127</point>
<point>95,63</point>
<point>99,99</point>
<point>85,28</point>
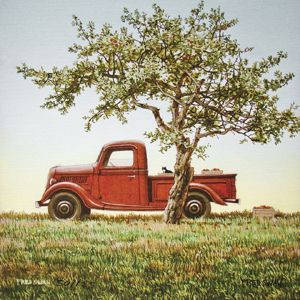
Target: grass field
<point>228,256</point>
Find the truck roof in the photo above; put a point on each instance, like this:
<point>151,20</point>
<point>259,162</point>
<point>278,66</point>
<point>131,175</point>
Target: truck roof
<point>136,143</point>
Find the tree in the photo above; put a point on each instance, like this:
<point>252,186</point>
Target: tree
<point>192,66</point>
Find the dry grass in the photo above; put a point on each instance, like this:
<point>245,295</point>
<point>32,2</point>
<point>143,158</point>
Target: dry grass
<point>228,256</point>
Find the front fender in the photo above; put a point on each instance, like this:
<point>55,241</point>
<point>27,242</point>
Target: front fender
<point>74,188</point>
<point>213,195</point>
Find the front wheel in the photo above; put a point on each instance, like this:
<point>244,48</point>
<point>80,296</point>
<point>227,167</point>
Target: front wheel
<point>86,212</point>
<point>197,206</point>
<point>65,206</point>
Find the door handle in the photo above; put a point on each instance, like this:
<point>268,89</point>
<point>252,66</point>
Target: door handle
<point>131,176</point>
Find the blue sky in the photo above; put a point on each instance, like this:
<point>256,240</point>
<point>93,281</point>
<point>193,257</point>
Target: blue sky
<point>32,140</point>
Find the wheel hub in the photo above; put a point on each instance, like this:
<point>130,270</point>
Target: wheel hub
<point>194,207</point>
<point>64,207</point>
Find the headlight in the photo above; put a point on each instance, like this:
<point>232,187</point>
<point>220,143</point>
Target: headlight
<point>52,181</point>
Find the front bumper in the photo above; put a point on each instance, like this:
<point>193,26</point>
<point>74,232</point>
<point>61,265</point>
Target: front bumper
<point>39,204</point>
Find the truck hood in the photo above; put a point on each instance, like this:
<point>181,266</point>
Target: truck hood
<point>76,169</point>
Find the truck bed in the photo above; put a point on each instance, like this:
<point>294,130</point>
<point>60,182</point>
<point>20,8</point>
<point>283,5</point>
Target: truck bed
<point>222,184</point>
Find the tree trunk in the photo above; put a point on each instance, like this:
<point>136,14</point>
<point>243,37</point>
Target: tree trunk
<point>177,196</point>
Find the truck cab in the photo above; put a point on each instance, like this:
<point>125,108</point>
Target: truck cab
<point>119,180</point>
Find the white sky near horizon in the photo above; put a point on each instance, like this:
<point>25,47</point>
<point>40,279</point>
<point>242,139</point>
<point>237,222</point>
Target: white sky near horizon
<point>32,140</point>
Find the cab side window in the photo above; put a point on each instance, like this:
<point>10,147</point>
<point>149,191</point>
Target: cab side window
<point>120,158</point>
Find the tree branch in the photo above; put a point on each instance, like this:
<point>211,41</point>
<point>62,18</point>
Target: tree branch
<point>226,130</point>
<point>160,122</point>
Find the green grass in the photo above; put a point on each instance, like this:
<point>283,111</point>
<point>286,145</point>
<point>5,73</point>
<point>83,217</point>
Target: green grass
<point>228,256</point>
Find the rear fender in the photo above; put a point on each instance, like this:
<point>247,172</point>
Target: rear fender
<point>211,193</point>
<point>71,187</point>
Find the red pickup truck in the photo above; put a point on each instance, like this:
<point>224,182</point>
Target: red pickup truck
<point>119,180</point>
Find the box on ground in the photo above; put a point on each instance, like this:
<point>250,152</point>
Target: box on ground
<point>263,211</point>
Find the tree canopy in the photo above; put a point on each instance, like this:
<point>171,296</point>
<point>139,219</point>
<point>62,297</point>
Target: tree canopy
<point>192,66</point>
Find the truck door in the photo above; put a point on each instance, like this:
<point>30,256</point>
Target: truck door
<point>118,177</point>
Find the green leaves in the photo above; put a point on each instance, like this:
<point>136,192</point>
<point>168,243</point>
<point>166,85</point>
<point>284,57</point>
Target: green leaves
<point>193,64</point>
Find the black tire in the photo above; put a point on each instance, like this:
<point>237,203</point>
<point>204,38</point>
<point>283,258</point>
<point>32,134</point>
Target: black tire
<point>85,212</point>
<point>197,206</point>
<point>65,206</point>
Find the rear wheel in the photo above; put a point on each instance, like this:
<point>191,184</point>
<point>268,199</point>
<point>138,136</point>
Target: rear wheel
<point>197,205</point>
<point>65,206</point>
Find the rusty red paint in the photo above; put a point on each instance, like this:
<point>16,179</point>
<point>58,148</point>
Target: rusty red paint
<point>129,187</point>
